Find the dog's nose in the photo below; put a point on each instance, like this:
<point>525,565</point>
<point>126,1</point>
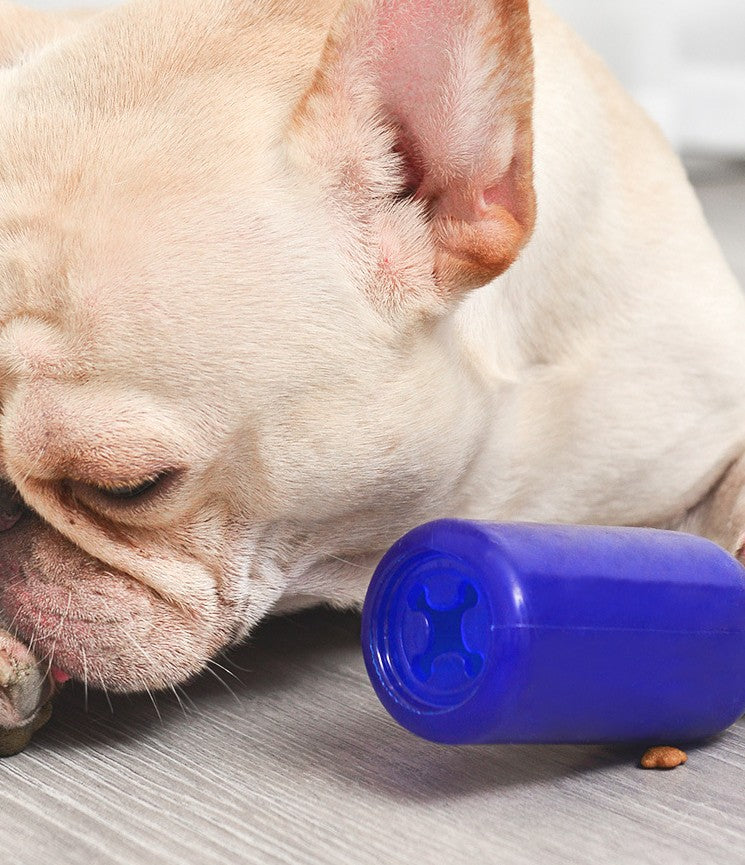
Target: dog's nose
<point>11,506</point>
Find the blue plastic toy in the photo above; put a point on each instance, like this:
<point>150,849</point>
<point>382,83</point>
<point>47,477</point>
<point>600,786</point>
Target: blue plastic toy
<point>475,632</point>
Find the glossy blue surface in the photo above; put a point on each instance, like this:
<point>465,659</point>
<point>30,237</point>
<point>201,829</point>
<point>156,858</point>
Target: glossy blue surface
<point>477,632</point>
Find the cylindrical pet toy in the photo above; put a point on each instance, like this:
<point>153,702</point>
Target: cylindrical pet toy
<point>475,632</point>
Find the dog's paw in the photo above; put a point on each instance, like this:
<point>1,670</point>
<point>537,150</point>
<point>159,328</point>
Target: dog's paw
<point>25,695</point>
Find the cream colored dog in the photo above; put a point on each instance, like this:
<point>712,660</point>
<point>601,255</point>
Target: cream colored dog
<point>279,281</point>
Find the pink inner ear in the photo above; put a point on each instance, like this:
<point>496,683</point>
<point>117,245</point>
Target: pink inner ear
<point>418,80</point>
<point>414,37</point>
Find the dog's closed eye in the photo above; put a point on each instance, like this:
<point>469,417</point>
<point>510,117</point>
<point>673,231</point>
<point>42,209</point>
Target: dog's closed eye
<point>139,491</point>
<point>135,490</point>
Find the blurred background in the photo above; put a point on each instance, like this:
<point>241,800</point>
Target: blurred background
<point>684,61</point>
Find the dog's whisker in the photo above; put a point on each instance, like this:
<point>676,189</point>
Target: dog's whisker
<point>67,609</point>
<point>62,621</point>
<point>106,693</point>
<point>150,661</point>
<point>347,562</point>
<point>49,658</point>
<point>140,649</point>
<point>225,669</point>
<point>56,629</point>
<point>221,681</point>
<point>85,676</point>
<point>234,664</point>
<point>11,627</point>
<point>45,635</point>
<point>188,699</point>
<point>179,700</point>
<point>34,633</point>
<point>152,700</point>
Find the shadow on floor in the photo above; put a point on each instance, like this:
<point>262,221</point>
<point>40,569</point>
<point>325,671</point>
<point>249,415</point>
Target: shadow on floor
<point>332,728</point>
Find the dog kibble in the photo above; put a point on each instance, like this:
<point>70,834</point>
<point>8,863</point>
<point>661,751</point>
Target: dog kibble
<point>663,758</point>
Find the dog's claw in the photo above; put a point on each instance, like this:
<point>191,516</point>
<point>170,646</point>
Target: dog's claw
<point>25,695</point>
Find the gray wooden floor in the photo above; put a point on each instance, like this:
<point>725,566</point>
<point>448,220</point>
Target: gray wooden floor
<point>302,765</point>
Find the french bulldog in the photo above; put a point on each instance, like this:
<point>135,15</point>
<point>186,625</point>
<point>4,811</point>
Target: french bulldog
<point>280,280</point>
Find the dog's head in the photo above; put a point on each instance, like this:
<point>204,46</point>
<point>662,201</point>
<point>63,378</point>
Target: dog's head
<point>231,237</point>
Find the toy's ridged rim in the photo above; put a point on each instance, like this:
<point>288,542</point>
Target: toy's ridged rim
<point>391,665</point>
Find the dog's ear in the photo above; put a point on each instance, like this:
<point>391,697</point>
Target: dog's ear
<point>440,91</point>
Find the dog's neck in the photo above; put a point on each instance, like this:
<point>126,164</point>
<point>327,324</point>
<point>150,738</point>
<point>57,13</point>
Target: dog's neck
<point>590,399</point>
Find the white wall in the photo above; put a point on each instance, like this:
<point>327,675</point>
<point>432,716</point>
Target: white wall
<point>684,60</point>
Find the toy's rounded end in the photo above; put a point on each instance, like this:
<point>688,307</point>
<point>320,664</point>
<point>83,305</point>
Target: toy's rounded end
<point>437,632</point>
<point>430,631</point>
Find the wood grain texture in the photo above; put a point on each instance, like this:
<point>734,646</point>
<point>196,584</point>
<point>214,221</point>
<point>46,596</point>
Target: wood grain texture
<point>302,765</point>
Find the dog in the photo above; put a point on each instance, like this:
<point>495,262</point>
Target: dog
<point>281,279</point>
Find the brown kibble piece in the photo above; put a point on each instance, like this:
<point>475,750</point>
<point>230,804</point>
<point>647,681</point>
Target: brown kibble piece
<point>663,758</point>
